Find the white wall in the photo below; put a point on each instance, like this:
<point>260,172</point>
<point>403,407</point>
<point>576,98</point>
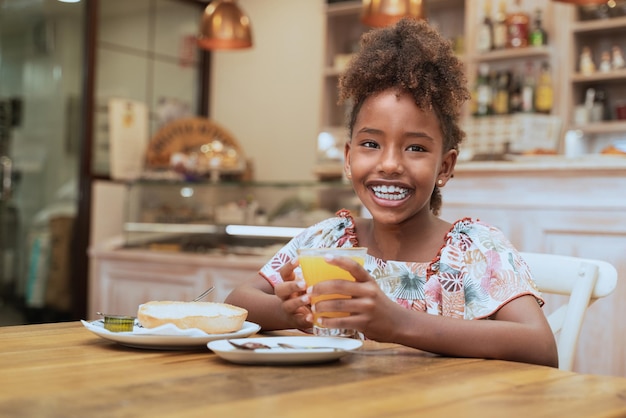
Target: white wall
<point>269,96</point>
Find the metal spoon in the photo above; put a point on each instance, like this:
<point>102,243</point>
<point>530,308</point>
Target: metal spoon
<point>308,347</point>
<point>248,345</point>
<point>203,294</point>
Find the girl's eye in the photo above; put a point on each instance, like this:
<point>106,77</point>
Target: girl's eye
<point>415,148</point>
<point>369,144</point>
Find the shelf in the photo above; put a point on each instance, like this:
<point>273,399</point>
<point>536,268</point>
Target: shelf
<point>332,72</point>
<point>599,25</point>
<point>606,127</point>
<point>226,185</point>
<point>343,8</point>
<point>265,231</point>
<point>512,53</point>
<point>615,75</point>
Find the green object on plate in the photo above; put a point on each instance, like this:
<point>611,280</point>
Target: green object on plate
<point>119,323</point>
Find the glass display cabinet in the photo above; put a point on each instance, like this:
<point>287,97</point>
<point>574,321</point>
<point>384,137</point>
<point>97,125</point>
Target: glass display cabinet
<point>234,218</point>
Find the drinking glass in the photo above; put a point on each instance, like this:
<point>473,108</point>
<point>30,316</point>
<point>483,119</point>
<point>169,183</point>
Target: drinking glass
<point>315,269</point>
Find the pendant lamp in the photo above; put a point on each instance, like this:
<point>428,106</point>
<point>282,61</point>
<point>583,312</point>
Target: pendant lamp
<point>379,13</point>
<point>224,26</point>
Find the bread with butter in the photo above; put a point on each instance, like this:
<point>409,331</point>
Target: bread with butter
<point>210,317</point>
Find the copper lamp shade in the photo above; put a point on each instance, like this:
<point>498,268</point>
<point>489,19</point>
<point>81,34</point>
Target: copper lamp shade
<point>379,13</point>
<point>224,26</point>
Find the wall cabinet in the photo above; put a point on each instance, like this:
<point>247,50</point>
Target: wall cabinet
<point>600,120</point>
<point>459,20</point>
<point>507,130</point>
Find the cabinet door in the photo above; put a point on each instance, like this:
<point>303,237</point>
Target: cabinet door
<point>598,234</point>
<point>123,285</point>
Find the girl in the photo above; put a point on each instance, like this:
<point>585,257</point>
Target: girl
<point>453,289</point>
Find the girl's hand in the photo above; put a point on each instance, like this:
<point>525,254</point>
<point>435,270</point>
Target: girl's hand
<point>296,304</point>
<point>371,311</point>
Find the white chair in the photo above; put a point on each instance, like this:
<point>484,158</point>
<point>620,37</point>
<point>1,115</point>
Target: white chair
<point>583,280</point>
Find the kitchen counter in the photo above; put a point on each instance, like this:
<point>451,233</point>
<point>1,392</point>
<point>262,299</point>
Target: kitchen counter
<point>557,164</point>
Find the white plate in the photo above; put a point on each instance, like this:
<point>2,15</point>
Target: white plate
<point>170,339</point>
<point>331,348</point>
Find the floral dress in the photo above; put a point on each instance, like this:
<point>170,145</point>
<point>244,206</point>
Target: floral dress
<point>475,273</point>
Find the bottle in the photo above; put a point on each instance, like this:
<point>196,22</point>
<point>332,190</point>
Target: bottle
<point>617,59</point>
<point>605,62</point>
<point>501,101</point>
<point>544,93</point>
<point>515,94</point>
<point>538,35</point>
<point>499,27</point>
<point>528,89</point>
<point>586,64</point>
<point>599,108</point>
<point>484,41</point>
<point>517,23</point>
<point>483,91</point>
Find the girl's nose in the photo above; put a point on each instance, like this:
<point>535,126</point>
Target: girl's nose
<point>390,162</point>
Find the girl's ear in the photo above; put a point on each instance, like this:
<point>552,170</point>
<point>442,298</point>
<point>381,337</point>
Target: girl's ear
<point>346,160</point>
<point>446,170</point>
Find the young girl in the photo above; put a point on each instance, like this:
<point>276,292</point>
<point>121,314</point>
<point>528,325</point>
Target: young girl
<point>454,289</point>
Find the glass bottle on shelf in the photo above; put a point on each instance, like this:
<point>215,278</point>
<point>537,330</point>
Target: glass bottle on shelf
<point>483,91</point>
<point>538,35</point>
<point>515,93</point>
<point>528,89</point>
<point>501,100</point>
<point>599,107</point>
<point>605,62</point>
<point>484,41</point>
<point>499,27</point>
<point>617,59</point>
<point>517,23</point>
<point>544,93</point>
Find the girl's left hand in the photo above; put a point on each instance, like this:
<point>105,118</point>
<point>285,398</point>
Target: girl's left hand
<point>295,303</point>
<point>371,311</point>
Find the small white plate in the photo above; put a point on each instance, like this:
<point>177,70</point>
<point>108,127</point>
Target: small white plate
<point>176,340</point>
<point>330,348</point>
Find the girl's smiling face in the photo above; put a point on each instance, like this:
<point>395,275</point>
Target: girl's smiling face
<point>395,157</point>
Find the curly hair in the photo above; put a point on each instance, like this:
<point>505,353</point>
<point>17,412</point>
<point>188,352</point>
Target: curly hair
<point>413,57</point>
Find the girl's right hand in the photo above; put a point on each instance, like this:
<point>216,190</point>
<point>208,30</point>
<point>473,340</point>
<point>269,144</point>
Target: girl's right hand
<point>296,304</point>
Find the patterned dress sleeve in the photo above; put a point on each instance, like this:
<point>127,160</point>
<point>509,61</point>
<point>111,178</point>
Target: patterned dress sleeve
<point>331,232</point>
<point>491,270</point>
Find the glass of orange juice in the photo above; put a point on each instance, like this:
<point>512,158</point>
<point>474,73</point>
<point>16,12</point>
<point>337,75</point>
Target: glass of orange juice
<point>315,269</point>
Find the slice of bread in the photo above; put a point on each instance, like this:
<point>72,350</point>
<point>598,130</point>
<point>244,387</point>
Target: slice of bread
<point>210,317</point>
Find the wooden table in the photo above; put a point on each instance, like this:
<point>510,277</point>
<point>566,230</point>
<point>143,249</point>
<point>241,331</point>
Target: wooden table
<point>63,370</point>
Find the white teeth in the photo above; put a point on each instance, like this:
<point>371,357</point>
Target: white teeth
<point>390,192</point>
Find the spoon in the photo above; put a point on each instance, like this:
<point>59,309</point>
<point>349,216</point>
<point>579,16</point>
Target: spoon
<point>308,347</point>
<point>248,345</point>
<point>203,294</point>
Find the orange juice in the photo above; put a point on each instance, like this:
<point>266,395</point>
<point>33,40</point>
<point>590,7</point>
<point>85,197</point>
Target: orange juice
<point>315,269</point>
